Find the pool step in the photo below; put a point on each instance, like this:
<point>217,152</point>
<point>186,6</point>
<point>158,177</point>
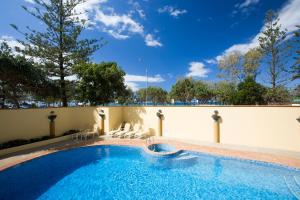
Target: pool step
<point>293,185</point>
<point>185,156</point>
<point>297,180</point>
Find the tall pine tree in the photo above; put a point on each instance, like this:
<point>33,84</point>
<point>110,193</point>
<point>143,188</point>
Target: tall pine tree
<point>296,66</point>
<point>273,46</point>
<point>58,47</point>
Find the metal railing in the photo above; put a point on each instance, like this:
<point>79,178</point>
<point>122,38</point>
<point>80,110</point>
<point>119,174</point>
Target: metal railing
<point>149,140</point>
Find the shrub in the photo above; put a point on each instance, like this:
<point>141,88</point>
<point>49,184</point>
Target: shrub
<point>249,93</point>
<point>278,95</point>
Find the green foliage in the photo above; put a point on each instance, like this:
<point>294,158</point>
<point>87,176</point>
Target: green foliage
<point>155,94</point>
<point>20,77</point>
<point>186,89</point>
<point>274,48</point>
<point>100,83</point>
<point>183,90</point>
<point>249,93</point>
<point>59,46</point>
<point>251,63</point>
<point>277,96</point>
<point>231,67</point>
<point>203,91</point>
<point>126,97</point>
<point>296,66</point>
<point>295,93</point>
<point>235,67</point>
<point>225,92</point>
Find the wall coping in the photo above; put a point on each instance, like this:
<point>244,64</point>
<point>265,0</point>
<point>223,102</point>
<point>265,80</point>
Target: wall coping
<point>160,106</point>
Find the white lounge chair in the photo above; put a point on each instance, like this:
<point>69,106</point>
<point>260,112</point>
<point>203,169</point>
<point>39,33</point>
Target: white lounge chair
<point>130,134</point>
<point>126,129</point>
<point>88,133</point>
<point>76,136</point>
<point>120,128</point>
<point>142,134</point>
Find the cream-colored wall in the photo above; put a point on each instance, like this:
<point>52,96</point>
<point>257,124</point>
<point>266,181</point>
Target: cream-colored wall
<point>115,118</point>
<point>31,123</point>
<point>267,127</point>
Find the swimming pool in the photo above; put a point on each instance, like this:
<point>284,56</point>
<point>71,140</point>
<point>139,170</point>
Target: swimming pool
<point>120,172</point>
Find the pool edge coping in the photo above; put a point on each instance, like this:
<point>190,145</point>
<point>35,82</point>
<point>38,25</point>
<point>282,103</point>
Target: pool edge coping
<point>279,160</point>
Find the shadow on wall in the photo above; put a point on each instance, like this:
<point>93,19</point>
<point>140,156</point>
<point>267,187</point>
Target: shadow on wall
<point>133,115</point>
<point>96,125</point>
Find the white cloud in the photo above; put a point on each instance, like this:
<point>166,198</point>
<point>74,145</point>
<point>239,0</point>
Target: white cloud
<point>137,8</point>
<point>119,23</point>
<point>133,80</point>
<point>11,42</point>
<point>116,34</point>
<point>30,1</point>
<point>210,61</point>
<point>137,78</point>
<point>119,26</point>
<point>197,69</point>
<point>133,86</point>
<point>175,12</point>
<point>246,3</point>
<point>141,13</point>
<point>245,7</point>
<point>150,41</point>
<point>289,17</point>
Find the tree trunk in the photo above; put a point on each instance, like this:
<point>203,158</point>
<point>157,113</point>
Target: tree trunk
<point>61,58</point>
<point>15,99</point>
<point>63,89</point>
<point>2,102</point>
<point>273,70</point>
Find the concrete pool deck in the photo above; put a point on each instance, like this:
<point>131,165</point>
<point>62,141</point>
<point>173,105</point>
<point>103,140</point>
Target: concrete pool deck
<point>291,159</point>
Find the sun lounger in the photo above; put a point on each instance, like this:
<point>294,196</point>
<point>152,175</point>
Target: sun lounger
<point>130,134</point>
<point>126,129</point>
<point>142,134</point>
<point>120,128</point>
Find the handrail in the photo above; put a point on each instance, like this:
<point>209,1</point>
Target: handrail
<point>149,140</point>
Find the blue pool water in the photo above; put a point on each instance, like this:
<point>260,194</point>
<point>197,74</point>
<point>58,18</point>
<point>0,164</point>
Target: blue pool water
<point>115,172</point>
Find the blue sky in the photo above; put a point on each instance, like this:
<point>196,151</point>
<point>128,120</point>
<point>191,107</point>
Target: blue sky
<point>171,38</point>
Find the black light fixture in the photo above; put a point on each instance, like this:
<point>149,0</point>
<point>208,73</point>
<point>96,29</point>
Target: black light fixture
<point>101,114</point>
<point>159,114</point>
<point>52,116</point>
<point>216,116</point>
<point>298,119</point>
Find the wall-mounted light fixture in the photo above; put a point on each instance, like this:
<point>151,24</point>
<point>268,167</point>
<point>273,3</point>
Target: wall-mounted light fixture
<point>160,116</point>
<point>216,116</point>
<point>52,118</point>
<point>298,119</point>
<point>102,115</point>
<point>216,119</point>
